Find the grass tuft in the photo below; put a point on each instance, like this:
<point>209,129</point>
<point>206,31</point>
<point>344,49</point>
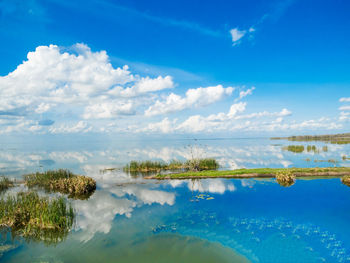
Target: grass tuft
<point>285,178</point>
<point>5,183</point>
<point>63,181</point>
<point>155,166</point>
<point>36,218</point>
<point>346,180</point>
<point>294,148</point>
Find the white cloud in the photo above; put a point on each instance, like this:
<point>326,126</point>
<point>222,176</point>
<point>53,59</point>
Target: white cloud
<point>344,99</point>
<point>237,35</point>
<point>344,108</point>
<point>108,110</point>
<point>77,82</point>
<point>193,98</point>
<point>245,93</point>
<point>80,127</point>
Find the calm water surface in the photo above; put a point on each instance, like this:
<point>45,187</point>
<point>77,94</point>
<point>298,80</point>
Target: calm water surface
<point>129,219</point>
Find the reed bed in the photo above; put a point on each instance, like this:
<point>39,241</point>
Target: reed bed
<point>294,148</point>
<point>156,166</point>
<point>5,183</point>
<point>36,218</point>
<point>63,181</point>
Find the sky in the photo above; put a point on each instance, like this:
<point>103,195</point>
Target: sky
<point>201,68</point>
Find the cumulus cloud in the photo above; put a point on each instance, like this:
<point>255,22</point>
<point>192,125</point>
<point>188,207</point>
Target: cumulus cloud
<point>82,82</point>
<point>193,98</point>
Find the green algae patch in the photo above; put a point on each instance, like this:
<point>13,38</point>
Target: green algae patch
<point>63,181</point>
<point>257,173</point>
<point>36,218</point>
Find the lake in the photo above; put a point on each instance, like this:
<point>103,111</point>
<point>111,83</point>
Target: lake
<point>131,219</point>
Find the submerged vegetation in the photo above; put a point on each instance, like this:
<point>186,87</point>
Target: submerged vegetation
<point>257,173</point>
<point>155,166</point>
<point>63,181</point>
<point>5,183</point>
<point>36,218</point>
<point>285,178</point>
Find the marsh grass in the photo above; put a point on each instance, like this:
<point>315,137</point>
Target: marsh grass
<point>285,178</point>
<point>36,218</point>
<point>5,183</point>
<point>155,166</point>
<point>294,148</point>
<point>202,164</point>
<point>63,181</point>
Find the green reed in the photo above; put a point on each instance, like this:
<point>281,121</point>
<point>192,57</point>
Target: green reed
<point>5,183</point>
<point>36,218</point>
<point>156,166</point>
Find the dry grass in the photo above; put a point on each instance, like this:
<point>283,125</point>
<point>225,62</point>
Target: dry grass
<point>63,181</point>
<point>285,178</point>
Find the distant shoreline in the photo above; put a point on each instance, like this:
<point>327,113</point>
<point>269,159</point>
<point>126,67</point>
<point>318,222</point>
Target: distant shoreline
<point>341,138</point>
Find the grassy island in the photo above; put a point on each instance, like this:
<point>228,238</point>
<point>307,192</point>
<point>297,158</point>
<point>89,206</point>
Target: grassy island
<point>36,218</point>
<point>155,166</point>
<point>258,173</point>
<point>63,181</point>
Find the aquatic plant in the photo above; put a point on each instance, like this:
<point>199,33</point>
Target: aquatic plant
<point>5,183</point>
<point>294,148</point>
<point>36,218</point>
<point>285,178</point>
<point>202,164</point>
<point>346,180</point>
<point>63,181</point>
<point>155,166</point>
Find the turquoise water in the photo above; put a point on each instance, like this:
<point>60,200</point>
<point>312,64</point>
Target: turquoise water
<point>130,219</point>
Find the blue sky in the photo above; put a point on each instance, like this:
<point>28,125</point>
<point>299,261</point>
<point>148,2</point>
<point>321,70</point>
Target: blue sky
<point>217,67</point>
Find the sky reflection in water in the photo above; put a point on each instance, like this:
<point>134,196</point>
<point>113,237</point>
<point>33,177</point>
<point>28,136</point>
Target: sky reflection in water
<point>129,218</point>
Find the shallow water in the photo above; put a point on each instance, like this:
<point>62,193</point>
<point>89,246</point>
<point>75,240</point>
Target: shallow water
<point>129,219</point>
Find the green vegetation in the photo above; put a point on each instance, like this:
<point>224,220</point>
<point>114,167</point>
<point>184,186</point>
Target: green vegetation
<point>36,218</point>
<point>5,183</point>
<point>344,157</point>
<point>256,173</point>
<point>63,181</point>
<point>346,180</point>
<point>285,178</point>
<point>343,138</point>
<point>294,148</point>
<point>202,164</point>
<point>301,148</point>
<point>155,166</point>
